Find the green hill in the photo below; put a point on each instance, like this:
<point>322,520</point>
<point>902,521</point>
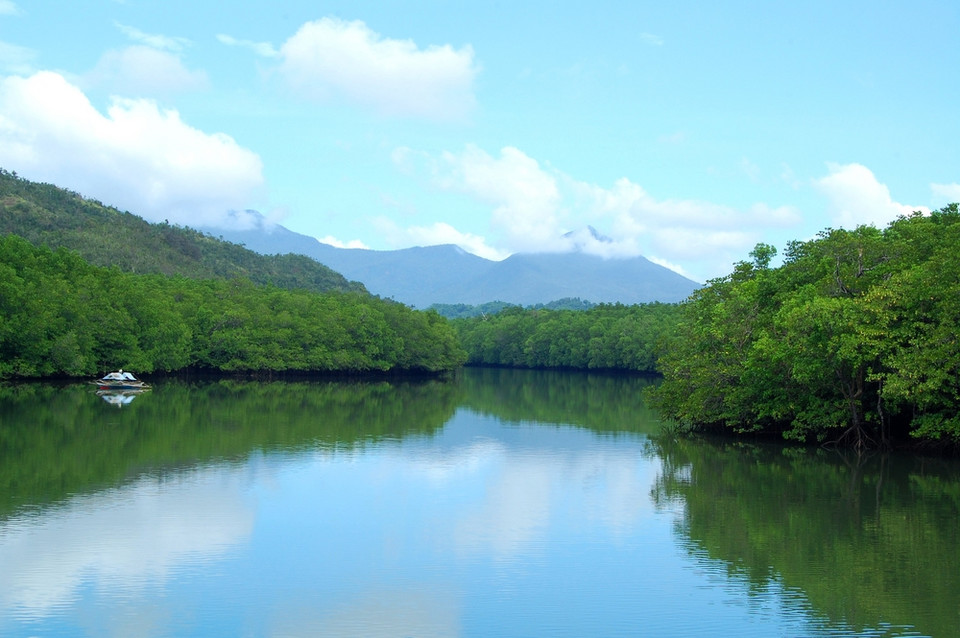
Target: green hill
<point>47,215</point>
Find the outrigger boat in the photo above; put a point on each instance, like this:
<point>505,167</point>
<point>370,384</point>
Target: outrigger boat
<point>120,380</point>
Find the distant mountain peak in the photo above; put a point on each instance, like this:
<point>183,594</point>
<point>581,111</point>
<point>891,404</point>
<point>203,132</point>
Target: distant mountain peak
<point>581,236</point>
<point>447,273</point>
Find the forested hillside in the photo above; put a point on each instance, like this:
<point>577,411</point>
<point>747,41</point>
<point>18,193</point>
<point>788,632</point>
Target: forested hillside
<point>52,216</point>
<point>464,311</point>
<point>607,337</point>
<point>854,339</point>
<point>60,315</point>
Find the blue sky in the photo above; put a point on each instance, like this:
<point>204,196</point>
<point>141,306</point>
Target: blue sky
<point>686,131</point>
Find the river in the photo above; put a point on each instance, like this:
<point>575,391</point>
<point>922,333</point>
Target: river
<point>496,503</point>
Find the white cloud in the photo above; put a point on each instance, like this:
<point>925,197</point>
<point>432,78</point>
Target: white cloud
<point>856,197</point>
<point>331,58</point>
<point>533,207</point>
<point>947,193</point>
<point>526,200</point>
<point>333,241</point>
<point>9,8</point>
<point>677,268</point>
<point>136,157</point>
<point>142,70</point>
<point>437,234</point>
<point>705,235</point>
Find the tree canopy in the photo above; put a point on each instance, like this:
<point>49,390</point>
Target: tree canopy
<point>852,340</point>
<point>607,337</point>
<point>60,315</point>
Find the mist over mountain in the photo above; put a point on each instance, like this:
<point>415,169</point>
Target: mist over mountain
<point>447,274</point>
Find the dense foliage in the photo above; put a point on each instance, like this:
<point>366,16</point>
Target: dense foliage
<point>606,337</point>
<point>853,339</point>
<point>51,216</point>
<point>60,315</point>
<point>464,311</point>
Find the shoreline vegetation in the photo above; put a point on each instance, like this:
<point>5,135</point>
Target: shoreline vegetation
<point>64,317</point>
<point>85,288</point>
<point>851,341</point>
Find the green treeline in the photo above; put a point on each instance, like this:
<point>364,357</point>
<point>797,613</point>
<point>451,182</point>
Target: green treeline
<point>59,315</point>
<point>464,311</point>
<point>605,337</point>
<point>47,215</point>
<point>853,339</point>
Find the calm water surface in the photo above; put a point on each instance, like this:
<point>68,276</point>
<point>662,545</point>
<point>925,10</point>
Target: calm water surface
<point>501,503</point>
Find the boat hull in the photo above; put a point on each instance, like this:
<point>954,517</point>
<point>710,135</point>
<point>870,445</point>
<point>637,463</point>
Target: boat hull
<point>122,386</point>
<point>120,380</point>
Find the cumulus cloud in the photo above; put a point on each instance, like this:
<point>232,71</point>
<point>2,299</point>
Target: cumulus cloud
<point>437,234</point>
<point>856,197</point>
<point>336,59</point>
<point>333,241</point>
<point>535,208</point>
<point>522,197</point>
<point>136,156</point>
<point>674,230</point>
<point>525,198</point>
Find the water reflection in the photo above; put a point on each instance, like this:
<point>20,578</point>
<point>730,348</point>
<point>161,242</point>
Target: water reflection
<point>130,540</point>
<point>119,398</point>
<point>56,441</point>
<point>499,503</point>
<point>872,542</point>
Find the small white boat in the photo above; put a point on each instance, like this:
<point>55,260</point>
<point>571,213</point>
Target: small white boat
<point>120,380</point>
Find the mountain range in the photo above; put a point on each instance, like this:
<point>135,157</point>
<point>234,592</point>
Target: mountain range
<point>271,254</point>
<point>447,274</point>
